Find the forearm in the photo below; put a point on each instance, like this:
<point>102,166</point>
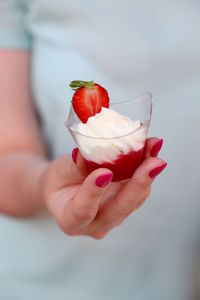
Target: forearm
<point>22,150</point>
<point>20,183</point>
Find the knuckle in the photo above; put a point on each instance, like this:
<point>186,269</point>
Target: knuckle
<point>70,233</point>
<point>83,214</point>
<point>143,197</point>
<point>118,223</point>
<point>67,230</point>
<point>99,235</point>
<point>142,185</point>
<point>138,204</point>
<point>93,193</point>
<point>123,212</point>
<point>147,192</point>
<point>67,227</point>
<point>119,217</point>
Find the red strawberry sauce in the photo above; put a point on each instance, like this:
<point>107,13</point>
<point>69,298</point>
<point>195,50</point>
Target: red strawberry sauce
<point>123,167</point>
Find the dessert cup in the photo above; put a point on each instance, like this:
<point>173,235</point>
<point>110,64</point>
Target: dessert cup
<point>122,154</point>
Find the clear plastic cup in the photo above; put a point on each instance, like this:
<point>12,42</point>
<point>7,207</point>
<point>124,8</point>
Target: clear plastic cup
<point>122,154</point>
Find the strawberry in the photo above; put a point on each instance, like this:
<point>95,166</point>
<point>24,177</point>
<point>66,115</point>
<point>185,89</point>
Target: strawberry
<point>88,99</point>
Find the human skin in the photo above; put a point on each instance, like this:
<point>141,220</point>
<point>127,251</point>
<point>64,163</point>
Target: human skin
<point>81,203</point>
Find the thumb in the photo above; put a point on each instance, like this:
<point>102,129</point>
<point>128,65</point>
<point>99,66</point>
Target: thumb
<point>83,207</point>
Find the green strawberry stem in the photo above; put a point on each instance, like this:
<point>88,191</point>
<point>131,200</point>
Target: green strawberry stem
<point>77,84</point>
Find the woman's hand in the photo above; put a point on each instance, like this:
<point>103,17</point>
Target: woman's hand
<point>91,204</point>
<point>80,203</point>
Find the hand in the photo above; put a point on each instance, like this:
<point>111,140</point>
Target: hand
<point>90,204</point>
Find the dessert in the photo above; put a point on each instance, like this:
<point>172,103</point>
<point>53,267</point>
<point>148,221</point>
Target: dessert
<point>105,137</point>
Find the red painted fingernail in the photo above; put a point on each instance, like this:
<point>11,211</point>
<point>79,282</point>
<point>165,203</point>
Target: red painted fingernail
<point>104,180</point>
<point>157,170</point>
<point>156,148</point>
<point>74,154</point>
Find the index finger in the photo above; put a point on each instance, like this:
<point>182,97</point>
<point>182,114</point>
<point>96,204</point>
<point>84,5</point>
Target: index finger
<point>132,194</point>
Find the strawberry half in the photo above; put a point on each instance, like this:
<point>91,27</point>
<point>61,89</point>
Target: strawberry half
<point>88,99</point>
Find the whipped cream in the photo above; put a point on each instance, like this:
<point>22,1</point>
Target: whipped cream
<point>108,134</point>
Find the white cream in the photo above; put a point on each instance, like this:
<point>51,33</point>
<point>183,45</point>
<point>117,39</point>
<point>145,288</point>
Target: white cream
<point>108,134</point>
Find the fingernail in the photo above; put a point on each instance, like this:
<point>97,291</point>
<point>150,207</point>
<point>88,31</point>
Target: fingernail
<point>156,148</point>
<point>104,180</point>
<point>157,170</point>
<point>74,154</point>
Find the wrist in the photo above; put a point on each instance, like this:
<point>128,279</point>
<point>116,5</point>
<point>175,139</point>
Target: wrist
<point>20,184</point>
<point>33,183</point>
<point>41,184</point>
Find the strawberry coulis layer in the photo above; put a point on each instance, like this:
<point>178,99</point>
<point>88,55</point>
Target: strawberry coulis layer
<point>123,167</point>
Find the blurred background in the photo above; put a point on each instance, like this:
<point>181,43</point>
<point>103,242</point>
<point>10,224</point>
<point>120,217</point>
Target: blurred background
<point>129,47</point>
